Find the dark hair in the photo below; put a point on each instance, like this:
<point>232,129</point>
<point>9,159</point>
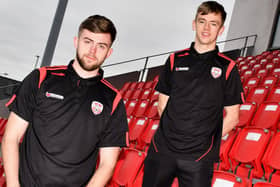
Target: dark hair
<point>99,24</point>
<point>211,7</point>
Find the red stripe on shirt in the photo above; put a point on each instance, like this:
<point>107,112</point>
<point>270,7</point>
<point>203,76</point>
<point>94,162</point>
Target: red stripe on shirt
<point>11,100</point>
<point>43,74</point>
<point>58,74</point>
<point>185,54</point>
<point>230,66</point>
<point>206,151</point>
<point>118,96</point>
<point>172,56</point>
<point>229,69</point>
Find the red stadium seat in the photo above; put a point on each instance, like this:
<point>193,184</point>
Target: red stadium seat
<point>226,179</point>
<point>270,66</point>
<point>258,69</point>
<point>136,94</point>
<point>252,82</point>
<point>271,160</point>
<point>3,181</point>
<point>226,144</point>
<point>265,184</point>
<point>127,94</point>
<point>152,110</point>
<point>148,85</point>
<point>130,106</point>
<point>274,95</point>
<point>247,74</point>
<point>247,151</point>
<point>267,116</point>
<point>154,95</point>
<point>141,108</point>
<point>140,85</point>
<point>137,127</point>
<point>139,178</point>
<point>247,111</point>
<point>264,61</point>
<point>276,71</point>
<point>262,73</point>
<point>132,86</point>
<point>257,95</point>
<point>126,86</point>
<point>269,81</point>
<point>244,68</point>
<point>127,168</point>
<point>146,137</point>
<point>3,127</point>
<point>145,94</point>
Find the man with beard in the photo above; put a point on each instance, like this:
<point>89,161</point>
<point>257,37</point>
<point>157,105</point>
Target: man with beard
<point>67,116</point>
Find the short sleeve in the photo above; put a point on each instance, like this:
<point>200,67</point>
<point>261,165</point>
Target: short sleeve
<point>234,89</point>
<point>24,100</point>
<point>116,134</point>
<point>164,82</point>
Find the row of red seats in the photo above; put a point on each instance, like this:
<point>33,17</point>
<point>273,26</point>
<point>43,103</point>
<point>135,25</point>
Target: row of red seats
<point>142,108</point>
<point>260,95</point>
<point>140,85</point>
<point>267,55</point>
<point>244,152</point>
<point>141,131</point>
<point>266,116</point>
<point>257,81</point>
<point>251,153</point>
<point>226,179</point>
<point>140,94</point>
<point>257,65</point>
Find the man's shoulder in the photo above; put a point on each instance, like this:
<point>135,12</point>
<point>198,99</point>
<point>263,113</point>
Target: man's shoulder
<point>181,53</point>
<point>44,72</point>
<point>225,59</point>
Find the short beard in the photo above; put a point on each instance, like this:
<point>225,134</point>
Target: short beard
<point>84,67</point>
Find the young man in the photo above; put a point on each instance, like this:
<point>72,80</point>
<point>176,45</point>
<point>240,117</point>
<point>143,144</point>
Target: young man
<point>67,115</point>
<point>195,86</point>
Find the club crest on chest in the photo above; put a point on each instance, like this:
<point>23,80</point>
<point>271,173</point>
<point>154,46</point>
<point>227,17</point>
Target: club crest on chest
<point>96,107</point>
<point>216,72</point>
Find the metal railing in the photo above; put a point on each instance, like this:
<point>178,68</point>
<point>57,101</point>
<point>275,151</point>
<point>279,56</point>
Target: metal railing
<point>241,43</point>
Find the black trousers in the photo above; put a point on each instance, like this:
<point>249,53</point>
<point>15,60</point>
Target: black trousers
<point>160,171</point>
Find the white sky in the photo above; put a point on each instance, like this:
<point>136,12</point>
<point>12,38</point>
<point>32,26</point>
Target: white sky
<point>145,27</point>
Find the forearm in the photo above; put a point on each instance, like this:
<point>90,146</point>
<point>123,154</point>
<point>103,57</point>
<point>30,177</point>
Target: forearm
<point>162,102</point>
<point>228,125</point>
<point>10,154</point>
<point>101,176</point>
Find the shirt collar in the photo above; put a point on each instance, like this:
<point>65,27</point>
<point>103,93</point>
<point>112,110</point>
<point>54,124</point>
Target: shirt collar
<point>76,78</point>
<point>206,55</point>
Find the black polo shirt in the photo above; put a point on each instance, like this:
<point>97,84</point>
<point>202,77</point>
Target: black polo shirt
<point>70,118</point>
<point>198,86</point>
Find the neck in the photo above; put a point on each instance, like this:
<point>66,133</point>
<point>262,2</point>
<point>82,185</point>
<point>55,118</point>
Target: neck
<point>201,48</point>
<point>83,73</point>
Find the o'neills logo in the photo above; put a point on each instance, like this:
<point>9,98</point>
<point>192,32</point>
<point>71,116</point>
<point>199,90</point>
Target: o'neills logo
<point>96,107</point>
<point>216,72</point>
<point>55,96</point>
<point>182,68</point>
